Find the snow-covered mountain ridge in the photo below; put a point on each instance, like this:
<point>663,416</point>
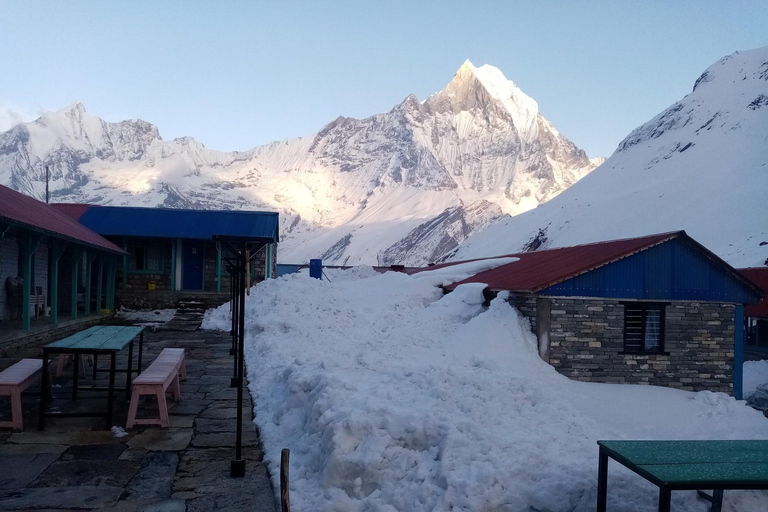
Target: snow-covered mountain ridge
<point>701,165</point>
<point>404,186</point>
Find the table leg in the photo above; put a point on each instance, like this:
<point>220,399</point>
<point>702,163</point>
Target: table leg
<point>602,482</point>
<point>110,397</point>
<point>76,359</point>
<point>665,497</point>
<point>141,349</point>
<point>95,364</point>
<point>43,393</point>
<point>717,500</point>
<point>129,373</point>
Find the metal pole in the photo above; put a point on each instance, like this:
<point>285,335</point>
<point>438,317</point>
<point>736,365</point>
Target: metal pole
<point>236,326</point>
<point>238,465</point>
<point>47,177</point>
<point>232,350</point>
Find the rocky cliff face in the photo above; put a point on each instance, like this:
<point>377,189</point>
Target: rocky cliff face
<point>398,187</point>
<point>700,165</point>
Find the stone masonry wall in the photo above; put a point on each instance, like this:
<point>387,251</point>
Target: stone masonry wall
<point>587,344</point>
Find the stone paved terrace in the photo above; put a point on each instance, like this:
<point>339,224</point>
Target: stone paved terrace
<point>76,465</point>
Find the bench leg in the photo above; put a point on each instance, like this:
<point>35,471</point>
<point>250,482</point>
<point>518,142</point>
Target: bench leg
<point>176,389</point>
<point>16,412</point>
<point>133,409</point>
<point>162,406</point>
<point>60,366</point>
<point>183,369</point>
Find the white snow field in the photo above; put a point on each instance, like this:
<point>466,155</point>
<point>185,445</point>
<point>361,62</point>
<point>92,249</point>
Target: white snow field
<point>393,397</point>
<point>755,377</point>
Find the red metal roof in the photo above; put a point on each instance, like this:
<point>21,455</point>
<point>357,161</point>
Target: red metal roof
<point>759,276</point>
<point>72,210</point>
<point>27,212</point>
<point>540,269</point>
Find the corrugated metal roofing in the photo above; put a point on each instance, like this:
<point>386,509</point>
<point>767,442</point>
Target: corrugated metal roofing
<point>539,270</point>
<point>72,210</point>
<point>759,276</point>
<point>170,223</point>
<point>25,211</point>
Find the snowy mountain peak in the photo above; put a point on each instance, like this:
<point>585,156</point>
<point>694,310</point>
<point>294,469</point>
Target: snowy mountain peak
<point>700,165</point>
<point>487,88</point>
<point>403,186</point>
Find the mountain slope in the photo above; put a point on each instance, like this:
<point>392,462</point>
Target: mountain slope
<point>701,165</point>
<point>358,191</point>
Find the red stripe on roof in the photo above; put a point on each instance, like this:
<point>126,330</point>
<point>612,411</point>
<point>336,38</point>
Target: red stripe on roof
<point>27,211</point>
<point>759,276</point>
<point>541,269</point>
<point>72,210</point>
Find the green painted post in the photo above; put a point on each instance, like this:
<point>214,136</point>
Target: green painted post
<point>53,254</point>
<point>88,271</point>
<point>26,271</point>
<point>112,276</point>
<point>173,264</point>
<point>125,262</point>
<point>218,267</point>
<point>75,280</point>
<point>99,280</point>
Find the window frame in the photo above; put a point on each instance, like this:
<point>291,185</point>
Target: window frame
<point>145,245</point>
<point>644,307</point>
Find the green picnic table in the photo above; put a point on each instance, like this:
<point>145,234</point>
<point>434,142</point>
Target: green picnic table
<point>687,465</point>
<point>99,340</point>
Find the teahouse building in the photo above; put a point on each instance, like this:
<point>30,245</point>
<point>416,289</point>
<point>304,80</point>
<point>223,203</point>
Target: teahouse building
<point>659,309</point>
<point>51,267</point>
<point>174,254</point>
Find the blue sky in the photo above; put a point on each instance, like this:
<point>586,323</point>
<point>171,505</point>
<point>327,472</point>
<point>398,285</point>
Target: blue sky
<point>237,74</point>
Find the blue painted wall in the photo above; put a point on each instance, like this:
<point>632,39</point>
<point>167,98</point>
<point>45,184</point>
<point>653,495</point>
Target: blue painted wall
<point>673,270</point>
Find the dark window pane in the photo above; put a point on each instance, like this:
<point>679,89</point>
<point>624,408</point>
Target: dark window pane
<point>652,338</point>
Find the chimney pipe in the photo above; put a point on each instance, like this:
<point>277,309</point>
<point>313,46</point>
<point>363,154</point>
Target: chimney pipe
<point>47,177</point>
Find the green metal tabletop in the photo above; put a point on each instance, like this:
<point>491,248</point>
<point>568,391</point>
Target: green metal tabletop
<point>694,463</point>
<point>97,339</point>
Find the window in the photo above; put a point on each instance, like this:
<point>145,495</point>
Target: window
<point>146,258</point>
<point>643,327</point>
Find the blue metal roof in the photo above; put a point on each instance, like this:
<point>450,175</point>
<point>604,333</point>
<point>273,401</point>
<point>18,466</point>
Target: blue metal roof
<point>169,223</point>
<point>678,269</point>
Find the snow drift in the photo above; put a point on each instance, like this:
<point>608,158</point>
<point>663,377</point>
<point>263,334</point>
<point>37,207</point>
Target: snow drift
<point>392,396</point>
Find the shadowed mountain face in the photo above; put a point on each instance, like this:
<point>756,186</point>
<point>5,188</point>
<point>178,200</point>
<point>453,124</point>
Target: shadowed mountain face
<point>700,165</point>
<point>401,186</point>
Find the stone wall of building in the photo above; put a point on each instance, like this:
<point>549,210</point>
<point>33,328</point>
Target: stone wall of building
<point>586,343</point>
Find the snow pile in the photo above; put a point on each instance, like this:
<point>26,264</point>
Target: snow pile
<point>755,377</point>
<point>391,397</point>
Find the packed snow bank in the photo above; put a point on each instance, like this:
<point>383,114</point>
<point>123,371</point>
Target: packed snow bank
<point>755,376</point>
<point>393,397</point>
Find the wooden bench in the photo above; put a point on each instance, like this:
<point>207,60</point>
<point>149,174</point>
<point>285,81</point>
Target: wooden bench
<point>13,381</point>
<point>163,373</point>
<point>176,356</point>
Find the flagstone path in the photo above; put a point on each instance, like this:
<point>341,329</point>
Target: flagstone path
<point>75,465</point>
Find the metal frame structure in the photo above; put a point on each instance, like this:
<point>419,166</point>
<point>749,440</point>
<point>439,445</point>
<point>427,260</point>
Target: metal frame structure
<point>243,251</point>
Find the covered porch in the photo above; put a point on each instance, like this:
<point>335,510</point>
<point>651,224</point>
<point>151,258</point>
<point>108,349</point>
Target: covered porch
<point>53,270</point>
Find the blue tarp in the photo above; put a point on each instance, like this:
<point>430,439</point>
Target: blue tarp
<point>169,223</point>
